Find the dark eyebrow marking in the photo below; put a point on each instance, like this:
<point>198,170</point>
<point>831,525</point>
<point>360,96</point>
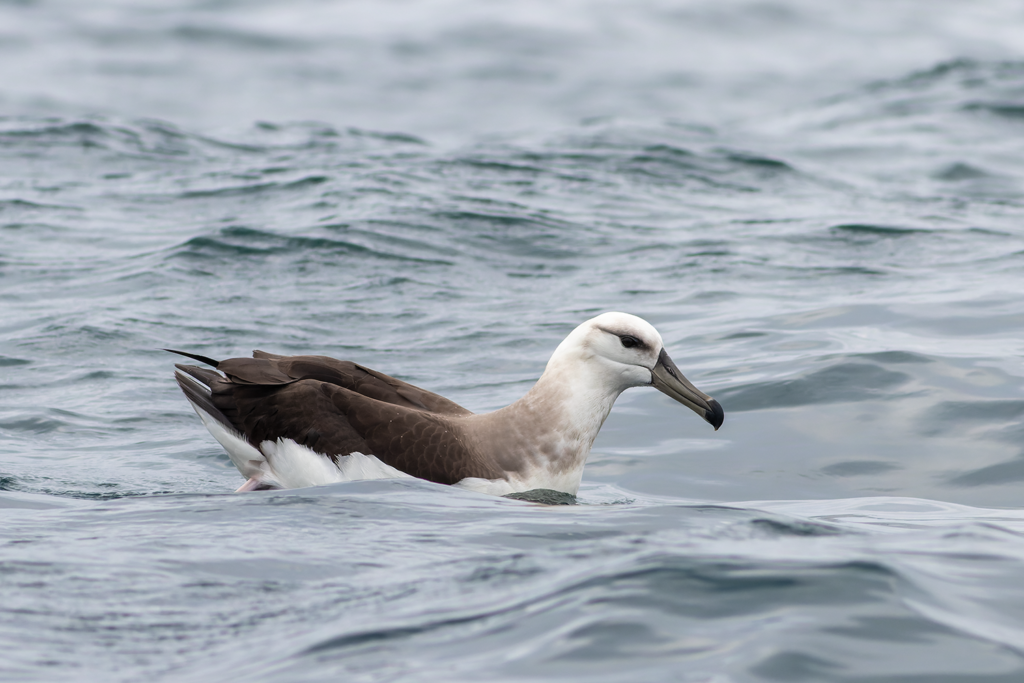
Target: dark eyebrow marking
<point>628,340</point>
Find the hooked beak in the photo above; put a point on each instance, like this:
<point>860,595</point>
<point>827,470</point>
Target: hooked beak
<point>666,378</point>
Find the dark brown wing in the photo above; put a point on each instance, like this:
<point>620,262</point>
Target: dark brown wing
<point>338,407</point>
<point>423,444</point>
<point>269,369</point>
<point>299,411</point>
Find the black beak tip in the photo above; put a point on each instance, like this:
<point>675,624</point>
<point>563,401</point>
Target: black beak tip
<point>714,414</point>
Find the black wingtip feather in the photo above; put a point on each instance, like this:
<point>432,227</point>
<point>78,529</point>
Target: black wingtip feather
<point>195,356</point>
<point>207,377</point>
<point>197,390</point>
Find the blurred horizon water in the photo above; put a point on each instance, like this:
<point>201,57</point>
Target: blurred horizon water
<point>819,206</point>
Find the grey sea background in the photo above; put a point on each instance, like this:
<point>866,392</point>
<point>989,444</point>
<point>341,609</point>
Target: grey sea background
<point>819,204</point>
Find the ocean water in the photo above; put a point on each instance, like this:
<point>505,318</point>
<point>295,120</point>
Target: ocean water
<point>819,204</point>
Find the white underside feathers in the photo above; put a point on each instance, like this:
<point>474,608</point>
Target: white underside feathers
<point>567,482</point>
<point>295,466</point>
<point>494,487</point>
<point>249,461</point>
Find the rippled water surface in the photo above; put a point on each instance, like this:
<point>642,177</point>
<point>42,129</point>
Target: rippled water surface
<point>820,206</point>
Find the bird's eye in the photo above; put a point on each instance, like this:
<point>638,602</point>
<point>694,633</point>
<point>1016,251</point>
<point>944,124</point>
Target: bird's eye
<point>629,341</point>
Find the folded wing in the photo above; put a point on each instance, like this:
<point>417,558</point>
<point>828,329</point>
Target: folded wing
<point>335,408</point>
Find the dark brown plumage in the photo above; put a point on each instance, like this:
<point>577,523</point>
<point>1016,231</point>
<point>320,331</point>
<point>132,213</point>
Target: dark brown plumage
<point>335,408</point>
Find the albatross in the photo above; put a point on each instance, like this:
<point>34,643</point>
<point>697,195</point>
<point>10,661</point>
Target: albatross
<point>296,421</point>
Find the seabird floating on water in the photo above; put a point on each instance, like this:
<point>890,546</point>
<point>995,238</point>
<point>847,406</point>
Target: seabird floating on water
<point>295,421</point>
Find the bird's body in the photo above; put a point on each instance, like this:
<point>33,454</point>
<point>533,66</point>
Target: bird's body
<point>294,421</point>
